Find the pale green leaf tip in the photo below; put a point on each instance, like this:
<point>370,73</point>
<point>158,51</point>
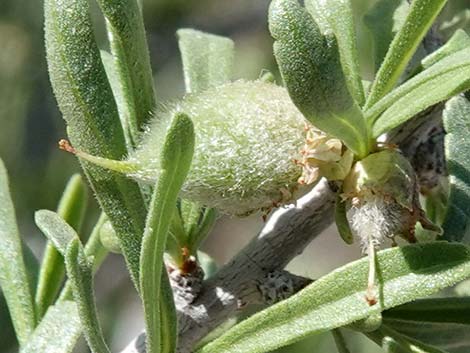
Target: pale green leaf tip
<point>71,252</point>
<point>190,33</point>
<point>179,139</point>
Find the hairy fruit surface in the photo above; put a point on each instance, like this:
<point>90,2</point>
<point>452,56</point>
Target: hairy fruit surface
<point>248,135</point>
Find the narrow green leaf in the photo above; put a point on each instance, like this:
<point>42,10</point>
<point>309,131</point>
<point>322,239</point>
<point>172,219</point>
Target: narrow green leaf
<point>450,337</point>
<point>190,213</point>
<point>87,104</point>
<point>73,202</point>
<point>460,40</point>
<point>59,232</point>
<point>443,310</point>
<point>175,162</point>
<point>456,118</point>
<point>61,235</point>
<point>58,331</point>
<point>195,223</point>
<point>393,342</point>
<point>72,209</point>
<point>168,317</point>
<point>207,59</point>
<point>14,279</point>
<point>337,299</point>
<point>94,251</point>
<point>384,20</point>
<point>310,66</point>
<point>341,221</point>
<point>205,224</point>
<point>441,81</point>
<point>420,18</point>
<point>79,271</point>
<point>337,16</point>
<point>119,95</point>
<point>129,49</point>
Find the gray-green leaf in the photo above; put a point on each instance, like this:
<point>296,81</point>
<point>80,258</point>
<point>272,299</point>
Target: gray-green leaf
<point>207,59</point>
<point>310,66</point>
<point>95,252</point>
<point>175,162</point>
<point>460,40</point>
<point>456,117</point>
<point>79,271</point>
<point>72,209</point>
<point>59,232</point>
<point>14,279</point>
<point>129,50</point>
<point>337,299</point>
<point>337,16</point>
<point>384,20</point>
<point>420,18</point>
<point>88,106</point>
<point>341,221</point>
<point>441,81</point>
<point>58,332</point>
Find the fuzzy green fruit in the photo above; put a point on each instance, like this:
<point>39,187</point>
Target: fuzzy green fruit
<point>248,135</point>
<point>250,148</point>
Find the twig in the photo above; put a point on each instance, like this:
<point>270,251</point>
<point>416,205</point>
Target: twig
<point>245,279</point>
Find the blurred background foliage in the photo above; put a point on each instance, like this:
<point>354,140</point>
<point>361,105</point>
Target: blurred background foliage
<point>30,126</point>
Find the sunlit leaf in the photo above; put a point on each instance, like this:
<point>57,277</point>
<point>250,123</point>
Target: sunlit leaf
<point>337,299</point>
<point>460,40</point>
<point>420,18</point>
<point>131,62</point>
<point>59,232</point>
<point>457,149</point>
<point>441,81</point>
<point>384,20</point>
<point>311,69</point>
<point>207,59</point>
<point>175,162</point>
<point>337,16</point>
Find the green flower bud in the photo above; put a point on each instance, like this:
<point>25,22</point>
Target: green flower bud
<point>382,200</point>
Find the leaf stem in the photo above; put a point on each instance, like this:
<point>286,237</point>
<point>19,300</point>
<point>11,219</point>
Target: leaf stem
<point>371,296</point>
